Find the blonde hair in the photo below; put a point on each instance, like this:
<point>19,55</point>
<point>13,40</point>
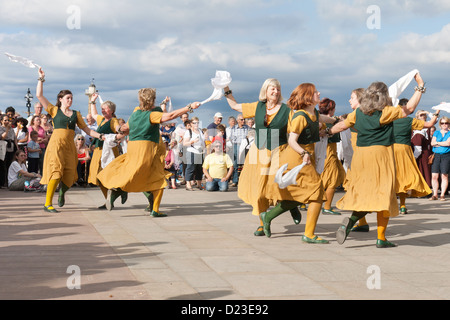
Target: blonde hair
<point>268,83</point>
<point>375,98</point>
<point>77,136</point>
<point>147,98</point>
<point>443,118</point>
<point>418,113</point>
<point>111,105</point>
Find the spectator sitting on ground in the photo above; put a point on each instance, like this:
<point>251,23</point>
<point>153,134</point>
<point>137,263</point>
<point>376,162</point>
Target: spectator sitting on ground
<point>18,172</point>
<point>215,168</point>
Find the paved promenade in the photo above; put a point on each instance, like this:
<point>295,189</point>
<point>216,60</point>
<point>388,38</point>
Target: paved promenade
<point>205,250</point>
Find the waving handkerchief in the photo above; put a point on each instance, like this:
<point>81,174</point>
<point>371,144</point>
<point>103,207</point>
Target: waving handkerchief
<point>222,79</point>
<point>397,88</point>
<point>107,152</point>
<point>320,151</point>
<point>289,178</point>
<point>24,61</point>
<point>443,107</point>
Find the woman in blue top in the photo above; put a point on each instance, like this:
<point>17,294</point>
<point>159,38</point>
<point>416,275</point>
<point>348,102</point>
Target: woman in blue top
<point>441,163</point>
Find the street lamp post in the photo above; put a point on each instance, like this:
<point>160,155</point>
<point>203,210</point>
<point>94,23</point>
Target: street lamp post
<point>89,92</point>
<point>28,99</point>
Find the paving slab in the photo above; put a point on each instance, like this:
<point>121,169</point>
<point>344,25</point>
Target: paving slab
<point>205,250</point>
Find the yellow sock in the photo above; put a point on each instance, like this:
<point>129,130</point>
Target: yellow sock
<point>402,197</point>
<point>311,219</point>
<point>157,197</point>
<point>362,222</point>
<point>330,195</point>
<point>382,225</point>
<point>51,188</point>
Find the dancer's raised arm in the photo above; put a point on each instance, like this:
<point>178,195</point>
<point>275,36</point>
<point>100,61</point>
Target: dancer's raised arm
<point>231,100</point>
<point>415,99</point>
<point>40,89</point>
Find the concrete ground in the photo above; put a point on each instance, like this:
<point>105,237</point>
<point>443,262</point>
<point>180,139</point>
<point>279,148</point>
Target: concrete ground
<point>205,250</point>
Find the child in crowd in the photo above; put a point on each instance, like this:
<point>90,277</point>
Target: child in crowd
<point>34,151</point>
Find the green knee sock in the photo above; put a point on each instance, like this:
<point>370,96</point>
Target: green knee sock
<point>355,217</point>
<point>280,208</point>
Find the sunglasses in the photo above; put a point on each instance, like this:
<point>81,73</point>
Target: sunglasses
<point>195,122</point>
<point>80,139</point>
<point>444,123</point>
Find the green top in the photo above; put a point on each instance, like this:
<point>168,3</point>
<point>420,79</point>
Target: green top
<point>61,121</point>
<point>371,132</point>
<point>266,136</point>
<point>141,128</point>
<point>105,128</point>
<point>310,133</point>
<point>403,130</point>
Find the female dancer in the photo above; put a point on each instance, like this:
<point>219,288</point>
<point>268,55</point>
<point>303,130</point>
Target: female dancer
<point>303,132</point>
<point>60,161</point>
<point>333,174</point>
<point>409,180</point>
<point>141,169</point>
<point>107,124</point>
<point>371,186</point>
<point>271,118</point>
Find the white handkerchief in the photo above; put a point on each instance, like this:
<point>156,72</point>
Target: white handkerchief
<point>24,61</point>
<point>398,87</point>
<point>289,178</point>
<point>443,107</point>
<point>222,79</point>
<point>107,152</point>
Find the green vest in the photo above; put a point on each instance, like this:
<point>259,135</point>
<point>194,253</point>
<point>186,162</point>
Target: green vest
<point>275,134</point>
<point>61,121</point>
<point>310,134</point>
<point>402,130</point>
<point>370,132</point>
<point>141,128</point>
<point>105,128</point>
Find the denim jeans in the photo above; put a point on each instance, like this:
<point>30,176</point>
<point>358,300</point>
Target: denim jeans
<point>216,185</point>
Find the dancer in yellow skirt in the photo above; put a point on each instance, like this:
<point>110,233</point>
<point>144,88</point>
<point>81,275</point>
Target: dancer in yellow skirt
<point>141,169</point>
<point>271,119</point>
<point>410,181</point>
<point>107,124</point>
<point>333,174</point>
<point>371,187</point>
<point>303,130</point>
<point>60,161</point>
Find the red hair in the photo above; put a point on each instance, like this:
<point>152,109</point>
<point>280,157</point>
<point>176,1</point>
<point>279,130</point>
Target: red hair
<point>302,96</point>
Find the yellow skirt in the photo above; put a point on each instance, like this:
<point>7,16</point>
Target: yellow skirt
<point>308,187</point>
<point>61,158</point>
<point>333,174</point>
<point>409,179</point>
<point>259,164</point>
<point>141,169</point>
<point>96,164</point>
<point>371,184</point>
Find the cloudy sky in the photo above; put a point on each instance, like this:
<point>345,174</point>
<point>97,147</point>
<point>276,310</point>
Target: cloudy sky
<point>176,46</point>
